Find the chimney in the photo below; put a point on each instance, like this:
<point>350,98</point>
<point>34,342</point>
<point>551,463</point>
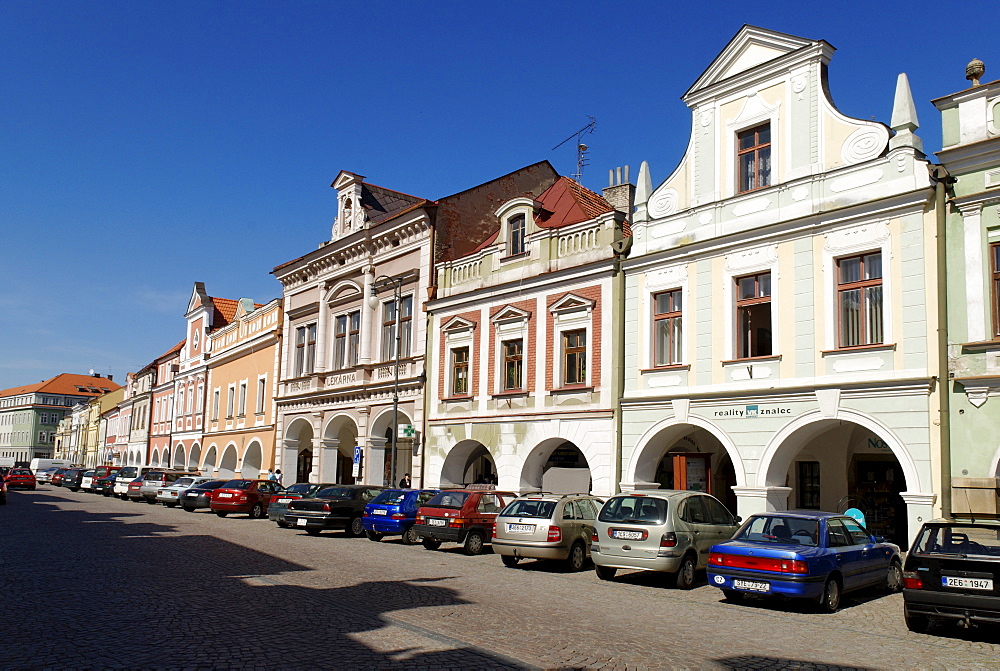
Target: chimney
<point>619,192</point>
<point>111,378</point>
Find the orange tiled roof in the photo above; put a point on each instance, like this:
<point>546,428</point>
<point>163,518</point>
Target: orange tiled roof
<point>566,203</point>
<point>66,383</point>
<point>225,308</point>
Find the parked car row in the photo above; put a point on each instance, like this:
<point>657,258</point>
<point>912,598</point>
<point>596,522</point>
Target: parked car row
<point>952,571</point>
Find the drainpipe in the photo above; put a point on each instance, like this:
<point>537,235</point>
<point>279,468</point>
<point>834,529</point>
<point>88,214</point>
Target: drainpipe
<point>618,338</point>
<point>941,179</point>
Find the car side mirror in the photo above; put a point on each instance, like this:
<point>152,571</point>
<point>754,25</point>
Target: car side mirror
<point>739,520</point>
<point>879,539</point>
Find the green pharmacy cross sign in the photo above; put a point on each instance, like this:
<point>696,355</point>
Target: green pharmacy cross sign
<point>406,431</point>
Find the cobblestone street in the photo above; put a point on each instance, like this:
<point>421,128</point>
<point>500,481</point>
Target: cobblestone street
<point>94,582</point>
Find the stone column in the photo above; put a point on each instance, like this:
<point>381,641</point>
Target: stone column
<point>322,356</point>
<point>751,500</point>
<point>919,509</point>
<point>328,471</point>
<point>374,466</point>
<point>289,463</point>
<point>366,336</point>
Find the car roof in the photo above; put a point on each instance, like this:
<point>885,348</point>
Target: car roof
<point>661,493</point>
<point>957,520</point>
<point>803,514</point>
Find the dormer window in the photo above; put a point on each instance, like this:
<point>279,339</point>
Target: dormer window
<point>515,235</point>
<point>348,215</point>
<point>754,157</point>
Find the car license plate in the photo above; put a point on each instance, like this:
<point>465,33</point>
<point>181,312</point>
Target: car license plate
<point>752,585</point>
<point>521,528</point>
<point>282,500</point>
<point>300,522</point>
<point>192,496</point>
<point>967,583</point>
<point>225,495</point>
<point>627,535</point>
<point>436,523</point>
<point>379,512</point>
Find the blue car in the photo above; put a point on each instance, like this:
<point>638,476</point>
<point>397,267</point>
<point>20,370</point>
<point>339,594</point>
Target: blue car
<point>803,555</point>
<point>393,512</point>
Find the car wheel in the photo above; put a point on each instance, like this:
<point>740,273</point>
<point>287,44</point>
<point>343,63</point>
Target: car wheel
<point>170,505</point>
<point>577,557</point>
<point>894,577</point>
<point>606,572</point>
<point>256,511</point>
<point>829,601</point>
<point>430,544</point>
<point>189,509</point>
<point>152,502</point>
<point>685,574</point>
<point>356,528</point>
<point>732,595</point>
<point>373,535</point>
<point>221,513</point>
<point>313,532</point>
<point>410,537</point>
<point>917,623</point>
<point>283,524</point>
<point>474,543</point>
<point>510,561</point>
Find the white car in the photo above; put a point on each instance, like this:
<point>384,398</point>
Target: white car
<point>44,476</point>
<point>126,475</point>
<point>170,495</point>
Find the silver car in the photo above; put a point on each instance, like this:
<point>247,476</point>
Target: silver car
<point>547,526</point>
<point>659,530</point>
<point>170,495</point>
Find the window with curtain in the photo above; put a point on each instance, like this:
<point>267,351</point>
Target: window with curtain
<point>667,327</point>
<point>753,155</point>
<point>859,300</point>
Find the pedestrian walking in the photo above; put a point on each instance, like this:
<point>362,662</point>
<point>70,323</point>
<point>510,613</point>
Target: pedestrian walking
<point>404,482</point>
<point>278,477</point>
<point>271,475</point>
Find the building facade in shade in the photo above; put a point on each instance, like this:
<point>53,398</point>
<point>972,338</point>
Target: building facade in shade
<point>970,121</point>
<point>30,415</point>
<point>353,308</point>
<point>93,450</point>
<point>161,405</point>
<point>110,423</point>
<point>204,315</point>
<point>242,374</point>
<point>781,300</point>
<point>138,397</point>
<point>520,390</point>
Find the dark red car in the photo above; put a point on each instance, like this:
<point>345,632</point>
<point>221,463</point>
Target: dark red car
<point>244,496</point>
<point>464,516</point>
<point>20,478</point>
<point>57,477</point>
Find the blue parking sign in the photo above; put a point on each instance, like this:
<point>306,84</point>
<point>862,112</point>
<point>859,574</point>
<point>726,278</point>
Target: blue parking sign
<point>357,455</point>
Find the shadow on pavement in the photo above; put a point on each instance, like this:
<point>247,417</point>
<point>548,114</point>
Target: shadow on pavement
<point>98,592</point>
<point>757,662</point>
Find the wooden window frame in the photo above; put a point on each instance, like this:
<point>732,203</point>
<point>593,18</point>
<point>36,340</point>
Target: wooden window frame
<point>861,285</point>
<point>460,378</point>
<point>746,350</point>
<point>761,179</point>
<point>517,229</point>
<point>512,361</point>
<point>675,312</point>
<point>580,352</point>
<point>995,287</point>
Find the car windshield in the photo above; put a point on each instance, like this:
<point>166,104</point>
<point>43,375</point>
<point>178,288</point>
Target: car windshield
<point>182,482</point>
<point>299,488</point>
<point>779,529</point>
<point>128,472</point>
<point>530,508</point>
<point>634,510</point>
<point>448,500</point>
<point>390,497</point>
<point>238,484</point>
<point>334,493</point>
<point>214,484</point>
<point>20,471</point>
<point>960,540</point>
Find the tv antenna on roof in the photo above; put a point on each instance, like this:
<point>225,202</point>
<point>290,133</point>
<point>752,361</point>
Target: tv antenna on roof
<point>581,148</point>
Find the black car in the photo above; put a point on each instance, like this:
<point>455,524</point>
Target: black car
<point>72,478</point>
<point>335,507</point>
<point>105,485</point>
<point>952,572</point>
<point>199,497</point>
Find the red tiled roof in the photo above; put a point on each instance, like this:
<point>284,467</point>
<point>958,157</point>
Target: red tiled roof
<point>66,383</point>
<point>566,203</point>
<point>225,308</point>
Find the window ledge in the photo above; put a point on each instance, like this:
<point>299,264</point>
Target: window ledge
<point>513,257</point>
<point>453,399</point>
<point>881,347</point>
<point>752,359</point>
<point>570,390</point>
<point>671,367</point>
<point>981,345</point>
<point>510,393</point>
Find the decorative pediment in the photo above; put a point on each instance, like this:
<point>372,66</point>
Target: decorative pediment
<point>199,298</point>
<point>749,48</point>
<point>458,324</point>
<point>571,303</point>
<point>510,314</point>
<point>346,179</point>
<point>343,291</point>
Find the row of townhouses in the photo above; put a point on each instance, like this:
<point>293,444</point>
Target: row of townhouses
<point>805,313</point>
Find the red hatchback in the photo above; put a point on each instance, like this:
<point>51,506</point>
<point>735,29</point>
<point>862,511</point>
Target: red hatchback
<point>20,478</point>
<point>244,496</point>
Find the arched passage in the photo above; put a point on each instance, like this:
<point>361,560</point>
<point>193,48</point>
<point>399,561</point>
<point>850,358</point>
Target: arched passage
<point>194,457</point>
<point>687,455</point>
<point>208,464</point>
<point>298,453</point>
<point>848,462</point>
<point>155,459</point>
<point>227,465</point>
<point>558,466</point>
<point>467,463</point>
<point>253,459</point>
<point>179,456</point>
<point>381,429</point>
<point>341,433</point>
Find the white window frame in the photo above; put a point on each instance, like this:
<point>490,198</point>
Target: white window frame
<point>510,324</point>
<point>658,281</point>
<point>740,264</point>
<point>571,313</point>
<point>458,333</point>
<point>261,393</point>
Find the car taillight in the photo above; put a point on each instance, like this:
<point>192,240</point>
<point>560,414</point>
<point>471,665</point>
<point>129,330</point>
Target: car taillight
<point>777,564</point>
<point>912,580</point>
<point>668,540</point>
<point>594,538</point>
<point>554,535</point>
<point>243,497</point>
<point>456,523</point>
<point>326,507</point>
<point>420,519</point>
<point>494,534</point>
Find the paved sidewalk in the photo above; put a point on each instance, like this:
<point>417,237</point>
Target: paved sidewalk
<point>103,583</point>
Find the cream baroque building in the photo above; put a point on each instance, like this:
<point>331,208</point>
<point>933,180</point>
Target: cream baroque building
<point>780,303</point>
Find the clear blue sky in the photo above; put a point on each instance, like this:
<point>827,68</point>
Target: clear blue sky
<point>148,145</point>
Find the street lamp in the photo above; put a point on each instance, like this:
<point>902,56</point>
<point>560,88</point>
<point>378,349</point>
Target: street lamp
<point>381,283</point>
